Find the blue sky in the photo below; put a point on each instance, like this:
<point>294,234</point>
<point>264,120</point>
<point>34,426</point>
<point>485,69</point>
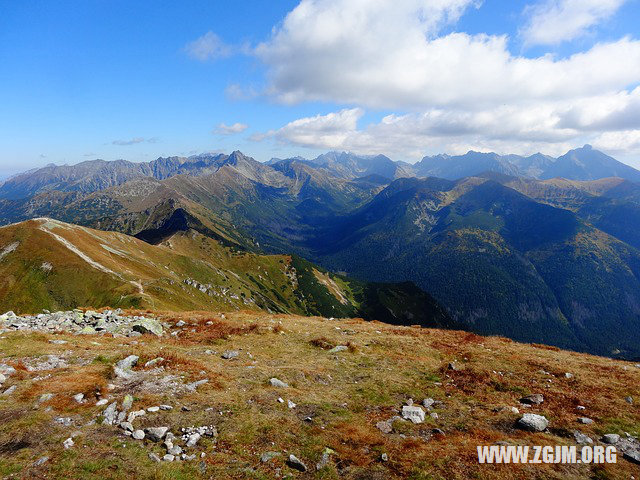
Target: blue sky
<point>140,79</point>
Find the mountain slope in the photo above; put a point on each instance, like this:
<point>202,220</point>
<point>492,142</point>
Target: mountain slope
<point>497,260</point>
<point>45,263</point>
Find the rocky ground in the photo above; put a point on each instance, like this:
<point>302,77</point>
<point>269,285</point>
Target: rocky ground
<point>115,394</point>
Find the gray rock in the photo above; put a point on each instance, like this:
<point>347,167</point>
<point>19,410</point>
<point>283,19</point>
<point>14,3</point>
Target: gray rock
<point>138,434</point>
<point>102,402</point>
<point>568,375</point>
<point>168,458</point>
<point>581,438</point>
<point>268,456</point>
<point>193,439</point>
<point>58,342</point>
<point>384,457</point>
<point>153,409</point>
<point>295,463</point>
<point>585,420</point>
<point>127,426</point>
<point>9,391</point>
<point>611,438</point>
<point>154,457</point>
<point>64,421</point>
<point>155,361</point>
<point>79,397</point>
<point>278,383</point>
<point>535,399</point>
<point>452,366</point>
<point>45,397</point>
<point>437,431</point>
<point>68,443</point>
<point>175,450</point>
<point>3,378</point>
<point>110,414</point>
<point>324,461</point>
<point>40,461</point>
<point>128,363</point>
<point>629,400</point>
<point>127,403</point>
<point>229,354</point>
<point>193,386</point>
<point>415,414</point>
<point>156,434</point>
<point>147,325</point>
<point>533,422</point>
<point>166,407</point>
<point>180,323</point>
<point>632,455</point>
<point>428,403</point>
<point>339,348</point>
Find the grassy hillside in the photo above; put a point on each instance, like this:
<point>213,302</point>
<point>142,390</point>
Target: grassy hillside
<point>339,400</point>
<point>49,264</point>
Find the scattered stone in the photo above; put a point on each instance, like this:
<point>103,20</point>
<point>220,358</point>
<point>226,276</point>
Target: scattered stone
<point>78,397</point>
<point>428,403</point>
<point>193,386</point>
<point>156,434</point>
<point>290,404</point>
<point>415,414</point>
<point>127,403</point>
<point>154,457</point>
<point>58,342</point>
<point>229,354</point>
<point>581,438</point>
<point>168,458</point>
<point>629,400</point>
<point>68,443</point>
<point>64,421</point>
<point>533,422</point>
<point>434,415</point>
<point>339,348</point>
<point>180,323</point>
<point>154,362</point>
<point>127,426</point>
<point>515,411</point>
<point>3,378</point>
<point>268,456</point>
<point>147,325</point>
<point>9,390</point>
<point>535,399</point>
<point>278,383</point>
<point>568,375</point>
<point>166,407</point>
<point>585,420</point>
<point>611,438</point>
<point>452,366</point>
<point>133,415</point>
<point>110,414</point>
<point>295,463</point>
<point>384,457</point>
<point>324,460</point>
<point>153,409</point>
<point>437,431</point>
<point>175,450</point>
<point>138,434</point>
<point>193,439</point>
<point>581,408</point>
<point>40,461</point>
<point>102,402</point>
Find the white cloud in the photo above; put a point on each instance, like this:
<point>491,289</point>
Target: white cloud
<point>555,21</point>
<point>135,141</point>
<point>387,55</point>
<point>208,47</point>
<point>223,129</point>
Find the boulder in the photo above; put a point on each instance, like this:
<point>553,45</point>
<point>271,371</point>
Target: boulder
<point>415,414</point>
<point>229,354</point>
<point>611,438</point>
<point>535,399</point>
<point>581,438</point>
<point>533,423</point>
<point>295,463</point>
<point>138,434</point>
<point>156,434</point>
<point>147,325</point>
<point>278,383</point>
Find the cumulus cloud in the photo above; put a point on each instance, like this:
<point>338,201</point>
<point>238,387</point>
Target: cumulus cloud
<point>555,21</point>
<point>389,55</point>
<point>451,90</point>
<point>223,129</point>
<point>208,47</point>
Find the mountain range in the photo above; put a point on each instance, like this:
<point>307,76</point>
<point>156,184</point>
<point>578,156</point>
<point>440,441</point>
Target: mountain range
<point>536,248</point>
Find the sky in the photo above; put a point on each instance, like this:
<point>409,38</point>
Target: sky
<point>136,80</point>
